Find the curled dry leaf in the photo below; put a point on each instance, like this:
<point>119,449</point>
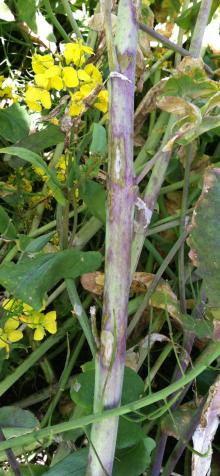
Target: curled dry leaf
<point>162,298</point>
<point>205,432</point>
<point>148,104</point>
<point>96,22</point>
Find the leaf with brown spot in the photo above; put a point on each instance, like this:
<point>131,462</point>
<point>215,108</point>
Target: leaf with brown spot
<point>204,236</point>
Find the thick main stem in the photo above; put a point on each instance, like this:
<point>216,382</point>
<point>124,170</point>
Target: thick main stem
<point>119,231</point>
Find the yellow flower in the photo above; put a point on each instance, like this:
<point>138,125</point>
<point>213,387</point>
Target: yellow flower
<point>7,89</point>
<point>13,306</point>
<point>50,79</point>
<point>70,77</point>
<point>93,73</point>
<point>54,121</point>
<point>41,63</point>
<point>37,97</point>
<point>76,104</point>
<point>39,171</point>
<point>74,53</point>
<point>9,334</point>
<point>26,185</point>
<point>102,101</point>
<point>39,321</point>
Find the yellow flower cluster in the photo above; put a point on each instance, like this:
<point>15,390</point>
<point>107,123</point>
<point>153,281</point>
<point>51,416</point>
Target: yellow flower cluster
<point>60,167</point>
<point>65,72</point>
<point>20,314</point>
<point>7,93</point>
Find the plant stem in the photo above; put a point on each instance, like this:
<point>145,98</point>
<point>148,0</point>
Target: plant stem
<point>81,314</point>
<point>155,282</point>
<point>63,381</point>
<point>71,19</point>
<point>54,20</point>
<point>199,30</point>
<point>11,457</point>
<point>110,360</point>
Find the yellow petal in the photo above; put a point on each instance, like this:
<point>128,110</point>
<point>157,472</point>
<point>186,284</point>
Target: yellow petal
<point>83,76</point>
<point>50,322</point>
<point>72,53</point>
<point>56,83</point>
<point>32,93</point>
<point>34,106</point>
<point>39,333</point>
<point>26,307</point>
<point>70,77</point>
<point>11,324</point>
<point>15,336</point>
<point>41,62</point>
<point>86,89</point>
<point>94,73</point>
<point>75,109</point>
<point>102,101</point>
<point>45,99</point>
<point>53,71</point>
<point>41,80</point>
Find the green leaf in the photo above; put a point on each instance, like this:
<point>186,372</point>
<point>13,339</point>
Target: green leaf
<point>26,470</point>
<point>82,390</point>
<point>38,243</point>
<point>99,140</point>
<point>200,327</point>
<point>129,433</point>
<point>27,12</point>
<point>73,465</point>
<point>187,19</point>
<point>133,461</point>
<point>41,140</point>
<point>94,196</point>
<point>30,279</point>
<point>14,123</point>
<point>5,12</point>
<point>180,421</point>
<point>15,421</point>
<point>7,229</point>
<point>37,161</point>
<point>204,236</point>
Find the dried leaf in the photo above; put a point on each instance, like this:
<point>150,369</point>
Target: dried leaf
<point>205,432</point>
<point>148,104</point>
<point>162,298</point>
<point>96,22</point>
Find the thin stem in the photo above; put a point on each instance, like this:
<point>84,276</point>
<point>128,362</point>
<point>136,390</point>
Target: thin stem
<point>54,21</point>
<point>63,381</point>
<point>155,282</point>
<point>81,314</point>
<point>196,48</point>
<point>71,19</point>
<point>11,457</point>
<point>199,30</point>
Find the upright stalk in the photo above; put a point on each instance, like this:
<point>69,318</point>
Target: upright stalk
<point>110,359</point>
